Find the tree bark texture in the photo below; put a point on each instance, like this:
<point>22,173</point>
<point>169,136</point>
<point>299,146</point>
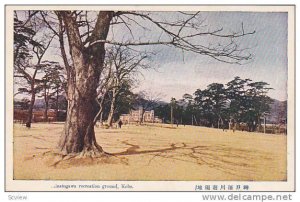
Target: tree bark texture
<point>79,134</point>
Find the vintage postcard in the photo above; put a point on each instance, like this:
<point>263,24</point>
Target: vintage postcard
<point>150,98</point>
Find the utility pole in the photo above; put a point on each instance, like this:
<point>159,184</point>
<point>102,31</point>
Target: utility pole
<point>171,115</point>
<point>265,121</point>
<point>172,106</point>
<point>264,124</point>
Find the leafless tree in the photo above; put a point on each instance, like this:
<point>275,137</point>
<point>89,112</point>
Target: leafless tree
<point>87,34</point>
<point>105,85</point>
<point>126,64</point>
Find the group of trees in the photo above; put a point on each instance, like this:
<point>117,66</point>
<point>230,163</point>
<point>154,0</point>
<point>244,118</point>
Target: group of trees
<point>47,79</point>
<point>99,60</point>
<point>240,100</point>
<point>34,75</point>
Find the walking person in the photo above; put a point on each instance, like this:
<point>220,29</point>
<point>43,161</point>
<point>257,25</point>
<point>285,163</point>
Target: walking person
<point>120,123</point>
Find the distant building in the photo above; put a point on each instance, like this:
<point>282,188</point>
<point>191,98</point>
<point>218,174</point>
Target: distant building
<point>136,115</point>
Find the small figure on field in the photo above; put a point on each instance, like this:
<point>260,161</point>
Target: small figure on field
<point>28,125</point>
<point>223,127</point>
<point>232,125</point>
<point>120,123</point>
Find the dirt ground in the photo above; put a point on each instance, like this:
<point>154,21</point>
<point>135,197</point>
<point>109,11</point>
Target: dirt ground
<point>156,152</point>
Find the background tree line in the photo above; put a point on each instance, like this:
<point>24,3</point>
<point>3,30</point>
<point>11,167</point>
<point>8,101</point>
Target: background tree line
<point>238,101</point>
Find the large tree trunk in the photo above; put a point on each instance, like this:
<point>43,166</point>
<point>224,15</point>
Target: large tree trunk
<point>112,108</point>
<point>30,110</point>
<point>79,134</point>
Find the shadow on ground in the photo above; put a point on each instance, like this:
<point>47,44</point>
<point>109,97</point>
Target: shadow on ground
<point>219,157</point>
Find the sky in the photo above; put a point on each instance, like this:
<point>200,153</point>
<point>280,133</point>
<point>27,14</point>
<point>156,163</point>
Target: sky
<point>175,72</point>
<point>178,73</point>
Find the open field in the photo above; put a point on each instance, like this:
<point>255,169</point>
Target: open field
<point>156,153</point>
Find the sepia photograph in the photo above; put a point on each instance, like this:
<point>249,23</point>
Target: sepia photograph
<point>150,98</point>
